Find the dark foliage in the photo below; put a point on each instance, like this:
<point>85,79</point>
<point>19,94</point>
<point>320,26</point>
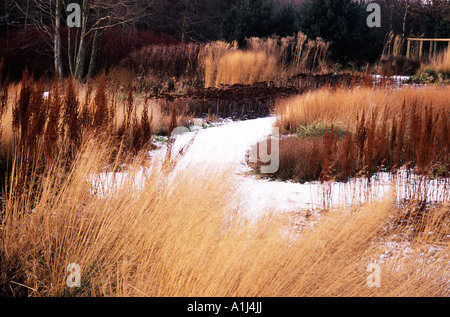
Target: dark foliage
<point>343,23</point>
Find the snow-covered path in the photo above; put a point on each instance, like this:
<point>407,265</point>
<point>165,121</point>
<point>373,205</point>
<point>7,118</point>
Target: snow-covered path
<point>229,145</point>
<point>226,144</point>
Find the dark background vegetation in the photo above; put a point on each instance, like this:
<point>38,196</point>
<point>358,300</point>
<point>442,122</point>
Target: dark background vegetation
<point>26,27</point>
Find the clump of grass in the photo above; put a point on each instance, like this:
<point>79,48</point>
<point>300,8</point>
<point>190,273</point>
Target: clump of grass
<point>299,159</point>
<point>51,133</point>
<point>437,70</point>
<point>262,59</point>
<point>346,155</point>
<point>71,116</point>
<point>341,107</point>
<point>317,129</point>
<point>369,145</point>
<point>3,90</point>
<point>328,157</point>
<point>393,45</point>
<point>440,62</point>
<point>210,54</point>
<point>20,110</point>
<point>35,125</point>
<point>161,65</point>
<point>245,67</point>
<point>393,61</point>
<point>100,104</point>
<point>183,236</point>
<point>386,129</point>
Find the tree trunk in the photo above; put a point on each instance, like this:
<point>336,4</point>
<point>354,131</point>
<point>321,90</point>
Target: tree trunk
<point>404,22</point>
<point>27,13</point>
<point>79,65</point>
<point>57,39</point>
<point>75,46</point>
<point>183,26</point>
<point>69,50</point>
<point>7,14</point>
<point>93,53</point>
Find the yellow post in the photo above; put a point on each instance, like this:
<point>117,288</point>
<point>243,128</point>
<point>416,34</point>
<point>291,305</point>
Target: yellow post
<point>435,47</point>
<point>420,49</point>
<point>430,52</point>
<point>408,48</point>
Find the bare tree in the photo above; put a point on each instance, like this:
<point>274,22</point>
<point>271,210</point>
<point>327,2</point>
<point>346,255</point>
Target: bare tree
<point>96,16</point>
<point>45,15</point>
<point>5,17</point>
<point>187,20</point>
<point>57,39</point>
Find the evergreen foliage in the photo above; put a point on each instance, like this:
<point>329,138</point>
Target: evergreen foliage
<point>343,23</point>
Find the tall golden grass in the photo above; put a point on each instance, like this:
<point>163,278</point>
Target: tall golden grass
<point>341,107</point>
<point>224,64</point>
<point>440,62</point>
<point>393,45</point>
<point>37,130</point>
<point>73,108</point>
<point>263,59</point>
<point>384,129</point>
<point>245,68</point>
<point>184,235</point>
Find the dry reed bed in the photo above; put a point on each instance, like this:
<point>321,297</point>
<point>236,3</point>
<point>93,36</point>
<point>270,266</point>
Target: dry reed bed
<point>181,236</point>
<point>362,131</point>
<point>67,111</point>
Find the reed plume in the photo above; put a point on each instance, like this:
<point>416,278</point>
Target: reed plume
<point>71,120</point>
<point>52,129</point>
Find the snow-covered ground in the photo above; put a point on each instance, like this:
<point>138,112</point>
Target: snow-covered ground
<point>230,144</point>
<point>397,80</point>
